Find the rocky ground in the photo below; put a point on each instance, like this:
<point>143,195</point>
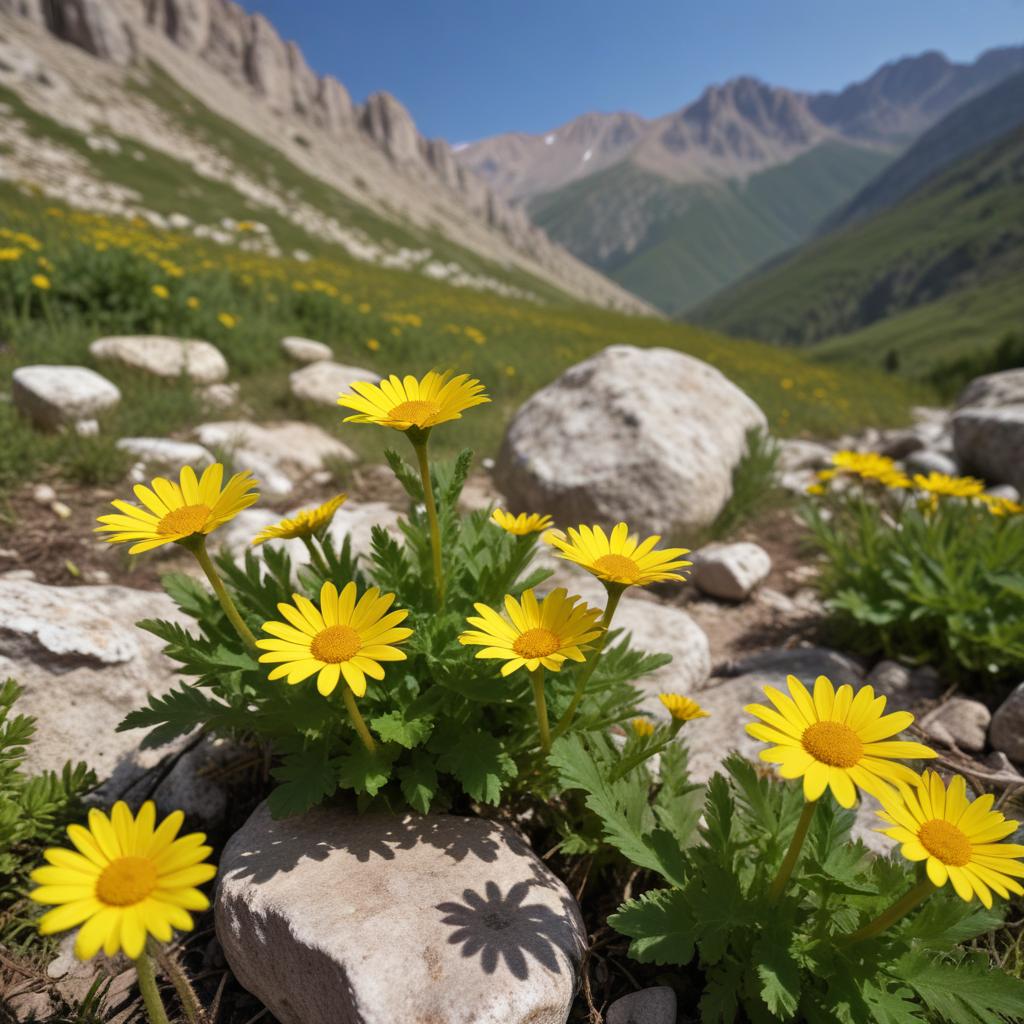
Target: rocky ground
<point>456,911</point>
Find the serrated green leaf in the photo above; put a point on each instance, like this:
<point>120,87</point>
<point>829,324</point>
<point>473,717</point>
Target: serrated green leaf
<point>719,908</point>
<point>366,772</point>
<point>481,764</point>
<point>419,783</point>
<point>306,778</point>
<point>661,926</point>
<point>777,970</point>
<point>966,991</point>
<point>395,727</point>
<point>720,1003</point>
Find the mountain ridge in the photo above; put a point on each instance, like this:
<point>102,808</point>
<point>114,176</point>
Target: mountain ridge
<point>238,64</point>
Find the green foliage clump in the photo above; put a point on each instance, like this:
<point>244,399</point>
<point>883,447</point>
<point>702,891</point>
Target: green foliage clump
<point>449,728</point>
<point>34,809</point>
<point>753,484</point>
<point>942,584</point>
<point>784,958</point>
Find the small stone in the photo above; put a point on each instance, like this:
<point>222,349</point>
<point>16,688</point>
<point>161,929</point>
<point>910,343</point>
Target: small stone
<point>926,462</point>
<point>438,918</point>
<point>322,383</point>
<point>51,396</point>
<point>43,494</point>
<point>730,571</point>
<point>990,442</point>
<point>648,1006</point>
<point>161,356</point>
<point>905,687</point>
<point>1001,764</point>
<point>60,509</point>
<point>796,454</point>
<point>305,350</point>
<point>87,428</point>
<point>898,444</point>
<point>161,455</point>
<point>960,723</point>
<point>223,395</point>
<point>1007,491</point>
<point>1007,732</point>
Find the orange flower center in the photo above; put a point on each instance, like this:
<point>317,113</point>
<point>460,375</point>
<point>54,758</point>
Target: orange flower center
<point>126,881</point>
<point>833,743</point>
<point>618,567</point>
<point>536,643</point>
<point>944,841</point>
<point>335,643</point>
<point>184,521</point>
<point>416,412</point>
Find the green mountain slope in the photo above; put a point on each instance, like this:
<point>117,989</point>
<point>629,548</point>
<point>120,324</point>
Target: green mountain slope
<point>969,127</point>
<point>686,242</point>
<point>930,258</point>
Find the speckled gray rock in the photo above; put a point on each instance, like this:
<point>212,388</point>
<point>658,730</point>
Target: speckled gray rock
<point>376,919</point>
<point>305,350</point>
<point>280,455</point>
<point>993,390</point>
<point>648,1006</point>
<point>730,571</point>
<point>162,356</point>
<point>1007,729</point>
<point>990,442</point>
<point>959,722</point>
<point>84,665</point>
<point>162,456</point>
<point>322,383</point>
<point>905,686</point>
<point>52,396</point>
<point>587,448</point>
<point>927,461</point>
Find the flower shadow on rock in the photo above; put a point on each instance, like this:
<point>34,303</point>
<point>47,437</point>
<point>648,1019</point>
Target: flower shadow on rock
<point>499,927</point>
<point>282,844</point>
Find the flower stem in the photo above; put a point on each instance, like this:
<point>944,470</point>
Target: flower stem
<point>230,610</point>
<point>614,593</point>
<point>903,906</point>
<point>357,719</point>
<point>795,846</point>
<point>435,527</point>
<point>147,987</point>
<point>537,681</point>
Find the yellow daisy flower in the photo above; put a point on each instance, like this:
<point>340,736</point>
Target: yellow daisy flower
<point>835,739</point>
<point>228,320</point>
<point>402,403</point>
<point>682,709</point>
<point>41,281</point>
<point>1001,506</point>
<point>868,465</point>
<point>304,523</point>
<point>175,512</point>
<point>126,877</point>
<point>642,726</point>
<point>521,524</point>
<point>959,840</point>
<point>536,633</point>
<point>342,638</point>
<point>941,485</point>
<point>620,558</point>
<point>160,291</point>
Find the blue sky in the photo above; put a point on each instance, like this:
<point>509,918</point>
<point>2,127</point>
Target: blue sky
<point>471,68</point>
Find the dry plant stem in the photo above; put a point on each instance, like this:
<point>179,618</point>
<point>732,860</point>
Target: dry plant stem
<point>186,993</point>
<point>198,548</point>
<point>615,592</point>
<point>357,719</point>
<point>793,853</point>
<point>147,987</point>
<point>537,682</point>
<point>903,906</point>
<point>435,527</point>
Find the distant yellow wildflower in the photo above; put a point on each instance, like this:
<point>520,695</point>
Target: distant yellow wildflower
<point>402,403</point>
<point>942,485</point>
<point>619,558</point>
<point>304,523</point>
<point>228,320</point>
<point>682,709</point>
<point>192,302</point>
<point>160,291</point>
<point>41,281</point>
<point>521,524</point>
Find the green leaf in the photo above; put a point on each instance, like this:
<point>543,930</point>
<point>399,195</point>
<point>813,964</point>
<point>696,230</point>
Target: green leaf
<point>480,763</point>
<point>967,991</point>
<point>661,926</point>
<point>719,908</point>
<point>419,783</point>
<point>719,1003</point>
<point>946,921</point>
<point>174,714</point>
<point>405,474</point>
<point>395,727</point>
<point>366,772</point>
<point>778,971</point>
<point>307,777</point>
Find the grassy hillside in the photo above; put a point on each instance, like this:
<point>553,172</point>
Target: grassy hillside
<point>974,124</point>
<point>687,242</point>
<point>945,264</point>
<point>106,276</point>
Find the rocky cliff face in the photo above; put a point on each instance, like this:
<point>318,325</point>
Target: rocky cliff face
<point>247,51</point>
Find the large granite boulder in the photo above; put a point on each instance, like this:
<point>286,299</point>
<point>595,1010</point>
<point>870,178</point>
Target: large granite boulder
<point>161,356</point>
<point>989,441</point>
<point>649,436</point>
<point>375,919</point>
<point>993,390</point>
<point>305,350</point>
<point>52,396</point>
<point>1007,732</point>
